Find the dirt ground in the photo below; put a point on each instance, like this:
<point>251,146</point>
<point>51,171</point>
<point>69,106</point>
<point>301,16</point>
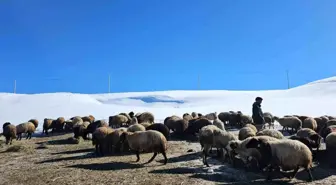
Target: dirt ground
<point>52,160</point>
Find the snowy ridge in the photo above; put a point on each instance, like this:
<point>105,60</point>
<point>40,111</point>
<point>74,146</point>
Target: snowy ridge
<point>314,99</point>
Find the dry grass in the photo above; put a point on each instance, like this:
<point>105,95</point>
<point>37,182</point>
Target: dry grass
<point>57,160</point>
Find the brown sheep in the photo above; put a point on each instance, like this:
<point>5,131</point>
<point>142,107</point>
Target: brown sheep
<point>128,117</point>
<point>92,118</point>
<point>47,125</point>
<point>147,141</point>
<point>113,141</point>
<point>170,122</point>
<point>58,124</point>
<point>224,117</point>
<point>99,139</point>
<point>195,125</point>
<point>145,117</point>
<point>9,131</point>
<point>35,122</point>
<point>117,121</point>
<point>27,127</point>
<point>187,116</point>
<point>309,123</point>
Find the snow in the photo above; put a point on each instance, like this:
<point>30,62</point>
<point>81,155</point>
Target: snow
<point>314,99</point>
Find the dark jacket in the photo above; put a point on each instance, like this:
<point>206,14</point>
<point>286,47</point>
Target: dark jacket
<point>257,113</point>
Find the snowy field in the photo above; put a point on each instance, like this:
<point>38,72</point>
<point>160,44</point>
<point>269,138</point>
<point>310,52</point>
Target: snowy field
<point>314,99</point>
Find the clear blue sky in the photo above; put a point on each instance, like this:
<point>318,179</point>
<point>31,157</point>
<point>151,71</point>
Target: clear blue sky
<point>72,46</point>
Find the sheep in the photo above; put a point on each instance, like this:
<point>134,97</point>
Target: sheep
<point>233,119</point>
<point>136,127</point>
<point>27,127</point>
<point>68,127</point>
<point>81,130</point>
<point>211,116</point>
<point>98,138</point>
<point>131,114</point>
<point>147,141</point>
<point>224,117</point>
<point>9,131</point>
<point>34,121</point>
<point>321,122</point>
<point>268,117</point>
<point>309,123</point>
<point>312,135</point>
<point>145,117</point>
<point>187,116</point>
<point>117,121</point>
<point>196,124</point>
<point>199,115</point>
<point>245,119</point>
<point>145,124</point>
<point>161,128</point>
<point>194,115</point>
<point>213,136</point>
<point>305,140</point>
<point>58,124</point>
<point>252,127</point>
<point>289,122</point>
<point>248,154</point>
<point>302,118</point>
<point>94,125</point>
<point>217,122</point>
<point>76,121</point>
<point>331,122</point>
<point>134,120</point>
<point>285,153</point>
<point>170,121</point>
<point>86,119</point>
<point>325,132</point>
<point>246,132</point>
<point>271,133</point>
<point>47,125</point>
<point>331,148</point>
<point>128,117</point>
<point>113,140</point>
<point>177,124</point>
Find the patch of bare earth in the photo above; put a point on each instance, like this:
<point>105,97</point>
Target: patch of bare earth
<point>55,160</point>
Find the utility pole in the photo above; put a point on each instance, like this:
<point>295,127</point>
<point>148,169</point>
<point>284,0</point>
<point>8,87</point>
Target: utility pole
<point>14,86</point>
<point>109,83</point>
<point>287,72</point>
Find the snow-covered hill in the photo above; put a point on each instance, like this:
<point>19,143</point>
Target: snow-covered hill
<point>315,99</point>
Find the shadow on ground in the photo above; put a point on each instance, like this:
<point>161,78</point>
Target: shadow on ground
<point>107,166</point>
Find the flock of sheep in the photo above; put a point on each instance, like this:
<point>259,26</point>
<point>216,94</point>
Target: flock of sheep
<point>267,148</point>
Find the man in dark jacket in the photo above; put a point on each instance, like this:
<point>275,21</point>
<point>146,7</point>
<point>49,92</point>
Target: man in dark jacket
<point>257,114</point>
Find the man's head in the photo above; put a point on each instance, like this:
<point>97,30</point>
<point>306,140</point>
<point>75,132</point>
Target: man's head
<point>259,100</point>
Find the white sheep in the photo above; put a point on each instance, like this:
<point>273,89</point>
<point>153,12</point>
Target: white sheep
<point>284,153</point>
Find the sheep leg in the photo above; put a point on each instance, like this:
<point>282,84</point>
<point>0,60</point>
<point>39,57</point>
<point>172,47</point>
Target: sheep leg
<point>310,174</point>
<point>151,159</point>
<point>27,136</point>
<point>137,155</point>
<point>205,155</point>
<point>165,157</point>
<point>97,149</point>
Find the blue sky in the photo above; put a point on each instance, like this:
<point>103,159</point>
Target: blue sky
<point>72,46</point>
